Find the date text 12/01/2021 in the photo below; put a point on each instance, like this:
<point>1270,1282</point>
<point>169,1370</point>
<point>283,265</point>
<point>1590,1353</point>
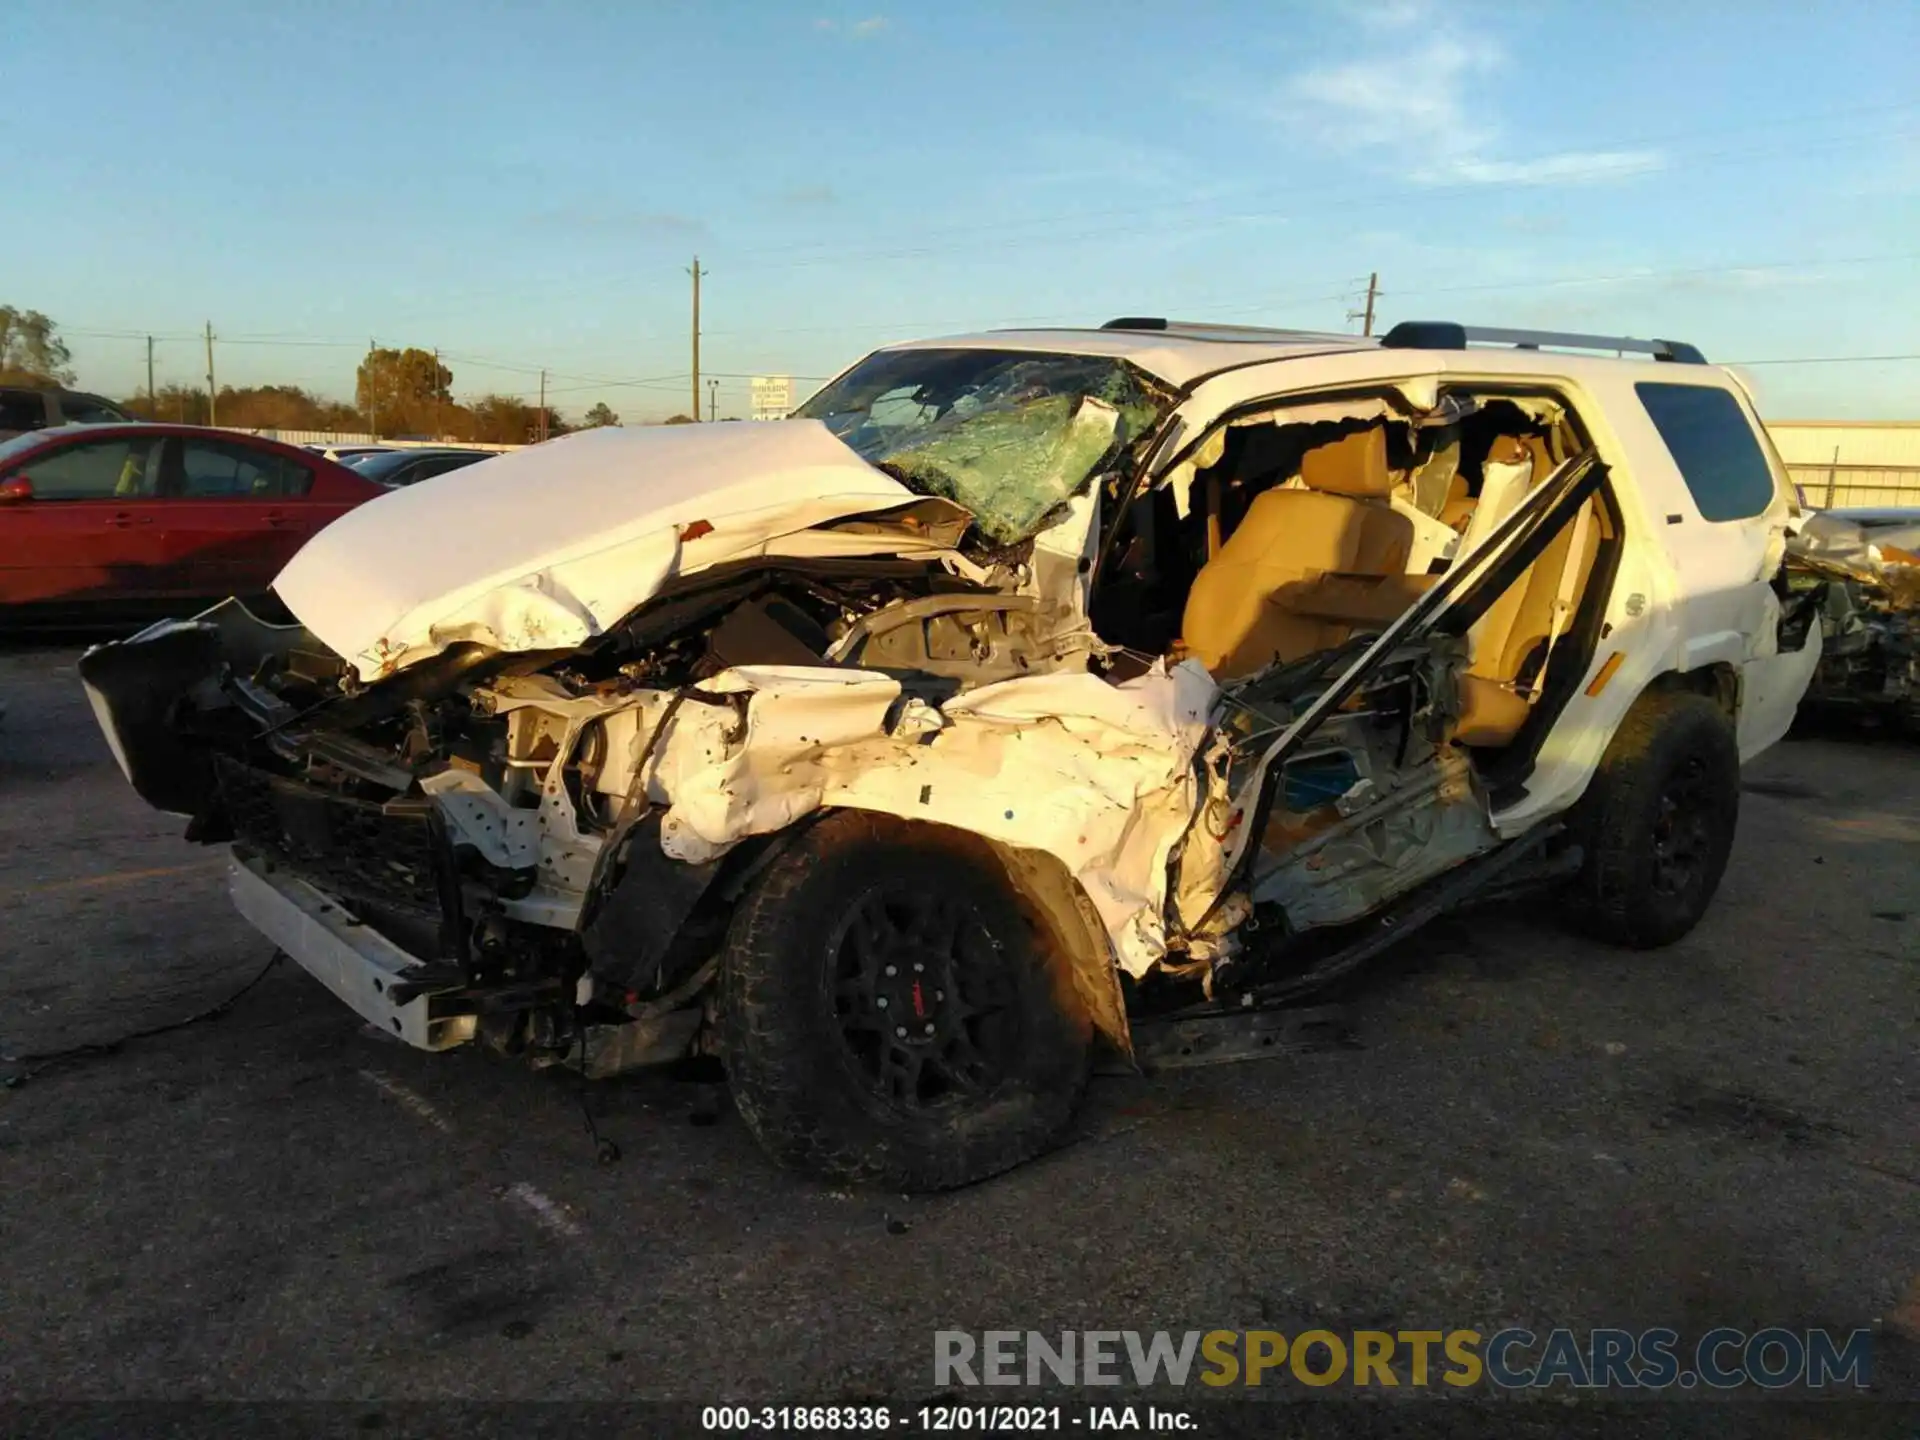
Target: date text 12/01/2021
<point>944,1419</point>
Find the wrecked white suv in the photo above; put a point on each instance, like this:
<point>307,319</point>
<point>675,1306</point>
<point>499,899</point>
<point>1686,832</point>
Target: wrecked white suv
<point>1022,685</point>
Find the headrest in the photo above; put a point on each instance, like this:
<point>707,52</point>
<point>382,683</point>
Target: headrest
<point>1354,464</point>
<point>1508,450</point>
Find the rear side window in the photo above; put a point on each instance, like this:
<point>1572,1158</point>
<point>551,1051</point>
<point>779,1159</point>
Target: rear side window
<point>211,470</point>
<point>87,410</point>
<point>1714,446</point>
<point>446,463</point>
<point>22,410</point>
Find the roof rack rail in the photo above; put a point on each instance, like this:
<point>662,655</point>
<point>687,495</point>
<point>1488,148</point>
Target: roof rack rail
<point>1446,335</point>
<point>1202,329</point>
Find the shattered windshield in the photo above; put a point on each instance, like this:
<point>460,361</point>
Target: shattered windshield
<point>1007,434</point>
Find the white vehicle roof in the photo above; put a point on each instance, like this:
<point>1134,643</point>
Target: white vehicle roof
<point>1182,352</point>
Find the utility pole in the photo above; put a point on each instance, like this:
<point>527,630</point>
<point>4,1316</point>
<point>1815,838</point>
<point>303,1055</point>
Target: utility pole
<point>150,400</point>
<point>373,390</point>
<point>439,413</point>
<point>1366,316</point>
<point>543,404</point>
<point>696,272</point>
<point>713,400</point>
<point>213,402</point>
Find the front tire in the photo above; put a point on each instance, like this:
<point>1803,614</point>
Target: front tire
<point>1657,823</point>
<point>890,1013</point>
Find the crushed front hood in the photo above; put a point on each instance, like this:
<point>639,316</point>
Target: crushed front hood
<point>543,548</point>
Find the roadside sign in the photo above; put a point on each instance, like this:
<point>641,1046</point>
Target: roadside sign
<point>772,396</point>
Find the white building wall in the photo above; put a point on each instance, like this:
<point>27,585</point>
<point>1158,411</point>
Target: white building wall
<point>1851,462</point>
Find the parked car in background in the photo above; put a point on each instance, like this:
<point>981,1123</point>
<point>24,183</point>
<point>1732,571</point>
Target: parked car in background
<point>347,453</point>
<point>395,468</point>
<point>108,522</point>
<point>25,408</point>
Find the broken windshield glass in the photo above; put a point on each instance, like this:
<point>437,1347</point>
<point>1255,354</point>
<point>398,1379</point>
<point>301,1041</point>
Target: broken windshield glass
<point>1009,435</point>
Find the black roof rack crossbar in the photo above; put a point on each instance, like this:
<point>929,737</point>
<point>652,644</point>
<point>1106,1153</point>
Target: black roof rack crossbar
<point>1207,330</point>
<point>1445,335</point>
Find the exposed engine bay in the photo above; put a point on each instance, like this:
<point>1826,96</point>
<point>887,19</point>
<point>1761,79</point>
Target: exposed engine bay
<point>540,776</point>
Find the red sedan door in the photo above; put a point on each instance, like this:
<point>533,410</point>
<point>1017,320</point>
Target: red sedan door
<point>237,510</point>
<point>86,527</point>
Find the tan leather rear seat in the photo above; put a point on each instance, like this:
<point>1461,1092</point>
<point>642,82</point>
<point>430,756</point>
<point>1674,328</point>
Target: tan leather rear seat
<point>1270,593</point>
<point>1518,623</point>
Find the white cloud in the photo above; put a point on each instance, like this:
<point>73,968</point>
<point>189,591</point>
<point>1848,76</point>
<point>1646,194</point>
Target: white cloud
<point>853,29</point>
<point>1387,14</point>
<point>1569,167</point>
<point>1431,106</point>
<point>1413,100</point>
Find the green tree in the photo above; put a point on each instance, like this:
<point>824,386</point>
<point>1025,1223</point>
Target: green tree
<point>175,404</point>
<point>601,414</point>
<point>502,420</point>
<point>31,350</point>
<point>404,392</point>
<point>247,407</point>
<point>679,420</point>
<point>282,407</point>
<point>505,420</point>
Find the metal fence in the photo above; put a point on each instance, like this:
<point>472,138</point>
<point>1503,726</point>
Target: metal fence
<point>1826,487</point>
<point>338,437</point>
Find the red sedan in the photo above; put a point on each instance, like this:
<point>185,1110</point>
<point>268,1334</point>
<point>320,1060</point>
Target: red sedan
<point>111,521</point>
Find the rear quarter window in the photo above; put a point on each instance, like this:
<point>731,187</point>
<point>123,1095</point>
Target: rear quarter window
<point>22,410</point>
<point>1713,445</point>
<point>87,410</point>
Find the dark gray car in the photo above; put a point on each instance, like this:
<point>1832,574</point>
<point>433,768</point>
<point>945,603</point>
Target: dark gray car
<point>394,468</point>
<point>26,407</point>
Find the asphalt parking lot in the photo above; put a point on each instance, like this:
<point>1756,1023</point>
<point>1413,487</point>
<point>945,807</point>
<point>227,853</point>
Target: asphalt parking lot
<point>1532,1129</point>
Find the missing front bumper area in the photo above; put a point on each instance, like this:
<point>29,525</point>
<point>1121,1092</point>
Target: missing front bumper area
<point>417,1000</point>
<point>353,960</point>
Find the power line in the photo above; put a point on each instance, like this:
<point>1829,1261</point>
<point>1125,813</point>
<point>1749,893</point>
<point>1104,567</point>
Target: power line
<point>922,326</point>
<point>1826,360</point>
<point>668,381</point>
<point>1544,283</point>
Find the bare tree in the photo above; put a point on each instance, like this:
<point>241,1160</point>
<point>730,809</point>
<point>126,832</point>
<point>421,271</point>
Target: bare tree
<point>31,349</point>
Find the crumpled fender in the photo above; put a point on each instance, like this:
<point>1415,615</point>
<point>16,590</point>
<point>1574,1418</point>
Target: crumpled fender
<point>1099,776</point>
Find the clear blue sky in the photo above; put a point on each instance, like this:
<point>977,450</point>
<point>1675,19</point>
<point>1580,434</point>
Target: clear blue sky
<point>525,184</point>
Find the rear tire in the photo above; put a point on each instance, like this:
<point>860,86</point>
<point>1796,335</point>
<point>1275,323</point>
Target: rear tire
<point>1657,823</point>
<point>889,1011</point>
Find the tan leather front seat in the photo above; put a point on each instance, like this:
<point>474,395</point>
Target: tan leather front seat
<point>1305,566</point>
